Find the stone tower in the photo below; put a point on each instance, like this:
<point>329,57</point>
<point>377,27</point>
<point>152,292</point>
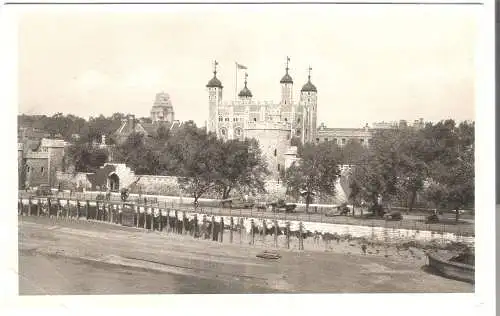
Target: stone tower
<point>162,110</point>
<point>286,90</point>
<point>309,102</point>
<point>214,87</point>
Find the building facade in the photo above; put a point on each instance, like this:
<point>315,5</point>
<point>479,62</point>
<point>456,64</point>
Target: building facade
<point>273,124</point>
<point>39,160</point>
<point>162,110</point>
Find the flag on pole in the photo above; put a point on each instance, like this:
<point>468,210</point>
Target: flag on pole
<point>240,66</point>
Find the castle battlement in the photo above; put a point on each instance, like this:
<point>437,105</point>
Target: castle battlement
<point>249,102</point>
<point>268,125</point>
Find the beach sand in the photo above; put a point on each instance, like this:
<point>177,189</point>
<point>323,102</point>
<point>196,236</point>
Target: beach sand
<point>80,257</point>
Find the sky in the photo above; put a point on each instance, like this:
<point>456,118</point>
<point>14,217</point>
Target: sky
<point>370,63</point>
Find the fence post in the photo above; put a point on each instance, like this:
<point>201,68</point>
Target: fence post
<point>301,236</point>
<point>221,229</point>
<point>87,207</point>
<point>160,219</point>
<point>288,234</point>
<point>176,225</point>
<point>145,218</point>
<point>252,231</point>
<point>152,219</point>
<point>168,219</point>
<point>275,234</point>
<point>183,227</point>
<point>29,206</point>
<point>241,222</point>
<point>204,226</point>
<point>264,230</point>
<point>231,223</point>
<point>195,226</point>
<point>58,208</point>
<point>213,228</point>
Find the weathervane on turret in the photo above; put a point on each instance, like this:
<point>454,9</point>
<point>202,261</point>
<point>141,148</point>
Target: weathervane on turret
<point>215,67</point>
<point>246,76</point>
<point>309,73</point>
<point>287,61</point>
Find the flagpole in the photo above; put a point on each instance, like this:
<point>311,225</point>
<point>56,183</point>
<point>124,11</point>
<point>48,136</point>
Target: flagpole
<point>236,81</point>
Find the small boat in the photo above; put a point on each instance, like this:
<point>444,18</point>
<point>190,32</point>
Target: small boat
<point>460,267</point>
<point>266,254</point>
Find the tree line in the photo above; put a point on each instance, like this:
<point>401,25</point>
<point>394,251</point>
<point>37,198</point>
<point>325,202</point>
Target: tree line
<point>435,162</point>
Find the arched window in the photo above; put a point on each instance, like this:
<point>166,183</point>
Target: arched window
<point>237,131</point>
<point>223,131</point>
<point>42,169</point>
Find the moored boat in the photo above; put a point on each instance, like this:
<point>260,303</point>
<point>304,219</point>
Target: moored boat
<point>460,267</point>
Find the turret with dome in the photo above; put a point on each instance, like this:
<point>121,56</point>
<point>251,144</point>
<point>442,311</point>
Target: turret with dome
<point>245,92</point>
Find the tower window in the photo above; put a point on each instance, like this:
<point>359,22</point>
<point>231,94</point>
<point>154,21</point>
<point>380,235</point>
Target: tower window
<point>286,120</point>
<point>275,152</point>
<point>317,140</point>
<point>285,101</point>
<point>343,141</point>
<point>28,168</point>
<point>220,118</point>
<point>227,119</point>
<point>298,120</point>
<point>255,119</point>
<point>279,167</point>
<point>42,169</point>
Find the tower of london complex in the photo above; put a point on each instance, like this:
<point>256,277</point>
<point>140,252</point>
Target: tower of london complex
<point>273,124</point>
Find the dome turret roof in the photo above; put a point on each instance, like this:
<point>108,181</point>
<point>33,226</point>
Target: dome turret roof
<point>309,87</point>
<point>286,78</point>
<point>245,92</point>
<point>214,82</point>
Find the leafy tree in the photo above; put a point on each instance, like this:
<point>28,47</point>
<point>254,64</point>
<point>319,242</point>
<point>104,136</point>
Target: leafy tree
<point>316,172</point>
<point>451,183</point>
<point>85,158</point>
<point>243,168</point>
<point>199,157</point>
<point>351,152</point>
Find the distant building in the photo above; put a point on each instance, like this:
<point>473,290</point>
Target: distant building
<point>162,110</point>
<point>39,160</point>
<point>131,125</point>
<point>273,124</point>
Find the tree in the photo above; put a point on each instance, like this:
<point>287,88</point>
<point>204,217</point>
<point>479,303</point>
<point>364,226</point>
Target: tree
<point>85,158</point>
<point>243,168</point>
<point>199,158</point>
<point>351,152</point>
<point>316,172</point>
<point>451,183</point>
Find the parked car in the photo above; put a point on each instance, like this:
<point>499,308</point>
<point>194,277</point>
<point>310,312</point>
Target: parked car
<point>44,190</point>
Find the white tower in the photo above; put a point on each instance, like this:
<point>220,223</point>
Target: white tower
<point>286,89</point>
<point>309,101</point>
<point>214,100</point>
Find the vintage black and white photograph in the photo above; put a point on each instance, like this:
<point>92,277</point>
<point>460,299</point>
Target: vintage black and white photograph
<point>238,149</point>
